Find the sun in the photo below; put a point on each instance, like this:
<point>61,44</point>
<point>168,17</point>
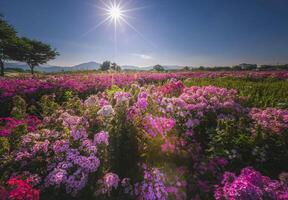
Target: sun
<point>115,12</point>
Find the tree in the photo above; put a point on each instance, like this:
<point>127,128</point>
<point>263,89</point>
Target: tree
<point>237,68</point>
<point>118,68</point>
<point>105,65</point>
<point>8,43</point>
<point>186,68</point>
<point>115,67</point>
<point>35,53</point>
<point>245,66</point>
<point>158,68</point>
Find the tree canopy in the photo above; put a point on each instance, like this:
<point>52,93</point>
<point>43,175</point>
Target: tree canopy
<point>107,65</point>
<point>35,53</point>
<point>8,43</point>
<point>32,52</point>
<point>158,68</point>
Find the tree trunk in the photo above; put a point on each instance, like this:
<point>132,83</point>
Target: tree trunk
<point>2,68</point>
<point>32,69</point>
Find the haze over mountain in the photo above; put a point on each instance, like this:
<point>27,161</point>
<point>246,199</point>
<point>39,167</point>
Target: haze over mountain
<point>83,66</point>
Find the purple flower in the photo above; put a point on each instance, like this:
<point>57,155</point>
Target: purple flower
<point>250,184</point>
<point>101,137</point>
<point>60,146</point>
<point>142,103</point>
<point>57,177</point>
<point>78,134</point>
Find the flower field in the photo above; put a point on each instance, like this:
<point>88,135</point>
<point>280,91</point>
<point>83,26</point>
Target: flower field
<point>145,136</point>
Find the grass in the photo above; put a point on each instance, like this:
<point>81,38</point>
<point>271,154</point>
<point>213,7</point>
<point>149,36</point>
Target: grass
<point>260,92</point>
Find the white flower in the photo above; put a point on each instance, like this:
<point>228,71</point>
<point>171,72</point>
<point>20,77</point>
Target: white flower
<point>106,111</point>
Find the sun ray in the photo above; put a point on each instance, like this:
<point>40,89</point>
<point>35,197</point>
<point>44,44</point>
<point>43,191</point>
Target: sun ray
<point>135,9</point>
<point>115,13</point>
<point>95,27</point>
<point>138,32</point>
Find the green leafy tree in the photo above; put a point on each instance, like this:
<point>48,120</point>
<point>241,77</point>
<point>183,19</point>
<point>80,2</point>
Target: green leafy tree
<point>115,67</point>
<point>118,68</point>
<point>8,43</point>
<point>186,68</point>
<point>105,65</point>
<point>35,53</point>
<point>158,68</point>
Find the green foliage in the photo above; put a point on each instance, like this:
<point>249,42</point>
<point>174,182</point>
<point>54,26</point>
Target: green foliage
<point>68,94</point>
<point>105,65</point>
<point>75,104</point>
<point>4,145</point>
<point>7,42</point>
<point>108,65</point>
<point>186,68</point>
<point>19,107</point>
<point>158,68</point>
<point>35,53</point>
<point>259,92</point>
<point>48,105</point>
<point>115,67</point>
<point>124,145</point>
<point>15,137</point>
<point>111,91</point>
<point>234,141</point>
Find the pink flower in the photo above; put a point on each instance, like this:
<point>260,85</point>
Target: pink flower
<point>22,190</point>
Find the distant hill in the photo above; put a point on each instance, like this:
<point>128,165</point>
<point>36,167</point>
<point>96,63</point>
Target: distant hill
<point>87,66</point>
<point>51,69</point>
<point>83,66</point>
<point>167,67</point>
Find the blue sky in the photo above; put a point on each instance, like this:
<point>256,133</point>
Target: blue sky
<point>182,32</point>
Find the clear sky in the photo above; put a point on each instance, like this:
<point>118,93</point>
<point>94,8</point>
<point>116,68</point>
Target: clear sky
<point>182,32</point>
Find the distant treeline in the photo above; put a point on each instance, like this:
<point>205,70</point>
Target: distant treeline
<point>241,67</point>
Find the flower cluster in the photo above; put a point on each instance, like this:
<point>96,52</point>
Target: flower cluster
<point>250,184</point>
<point>70,157</point>
<point>19,189</point>
<point>142,100</point>
<point>153,185</point>
<point>121,97</point>
<point>94,100</point>
<point>271,119</point>
<point>72,121</point>
<point>201,131</point>
<point>95,82</point>
<point>72,166</point>
<point>106,111</point>
<point>101,137</point>
<point>107,183</point>
<point>7,124</point>
<point>141,105</point>
<point>174,87</point>
<point>157,125</point>
<point>195,101</point>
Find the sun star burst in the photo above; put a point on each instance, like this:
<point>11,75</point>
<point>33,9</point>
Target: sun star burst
<point>115,13</point>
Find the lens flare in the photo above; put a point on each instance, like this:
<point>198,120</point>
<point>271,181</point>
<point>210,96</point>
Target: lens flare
<point>115,12</point>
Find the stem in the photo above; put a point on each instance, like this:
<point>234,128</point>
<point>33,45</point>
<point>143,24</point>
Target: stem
<point>2,68</point>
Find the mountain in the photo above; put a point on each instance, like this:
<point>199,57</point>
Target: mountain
<point>131,67</point>
<point>51,69</point>
<point>87,66</point>
<point>167,67</point>
<point>83,66</point>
